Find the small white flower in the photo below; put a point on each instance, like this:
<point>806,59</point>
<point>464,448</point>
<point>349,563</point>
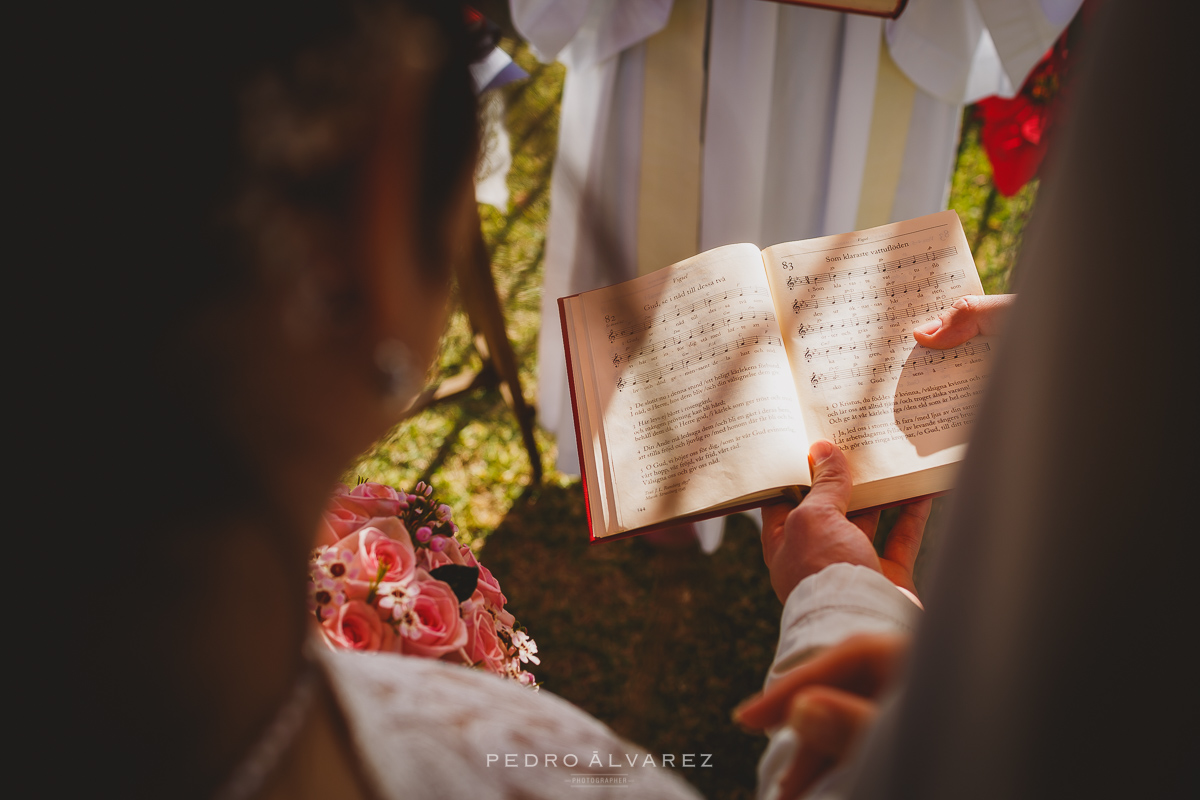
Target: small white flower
<point>324,595</point>
<point>337,563</point>
<point>526,647</point>
<point>512,669</point>
<point>406,623</point>
<point>399,597</point>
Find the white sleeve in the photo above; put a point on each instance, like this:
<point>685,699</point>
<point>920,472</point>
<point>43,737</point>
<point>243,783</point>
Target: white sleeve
<point>592,31</point>
<point>839,601</point>
<point>962,50</point>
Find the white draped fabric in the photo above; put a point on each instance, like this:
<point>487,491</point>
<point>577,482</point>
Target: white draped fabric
<point>791,148</point>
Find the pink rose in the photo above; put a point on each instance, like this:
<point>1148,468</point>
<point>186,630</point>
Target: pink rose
<point>337,524</point>
<point>356,626</point>
<point>380,544</point>
<point>383,557</point>
<point>440,558</point>
<point>483,645</point>
<point>364,508</point>
<point>504,618</point>
<point>378,491</point>
<point>434,625</point>
<point>488,585</point>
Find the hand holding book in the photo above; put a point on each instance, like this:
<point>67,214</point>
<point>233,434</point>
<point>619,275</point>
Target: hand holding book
<point>801,540</point>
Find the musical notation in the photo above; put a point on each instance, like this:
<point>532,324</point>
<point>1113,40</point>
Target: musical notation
<point>704,302</point>
<point>890,315</point>
<point>867,345</point>
<point>682,363</point>
<point>873,294</point>
<point>683,336</point>
<point>921,356</point>
<point>873,269</point>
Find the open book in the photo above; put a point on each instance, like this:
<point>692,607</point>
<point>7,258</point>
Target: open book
<point>698,388</point>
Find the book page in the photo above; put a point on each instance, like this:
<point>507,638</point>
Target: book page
<point>894,407</point>
<point>686,371</point>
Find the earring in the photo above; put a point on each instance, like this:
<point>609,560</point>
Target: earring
<point>401,381</point>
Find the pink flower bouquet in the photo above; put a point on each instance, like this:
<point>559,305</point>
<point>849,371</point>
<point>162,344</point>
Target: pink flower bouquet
<point>388,574</point>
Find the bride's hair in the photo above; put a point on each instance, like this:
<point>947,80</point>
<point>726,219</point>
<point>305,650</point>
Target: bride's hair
<point>166,157</point>
<point>180,153</point>
<point>305,123</point>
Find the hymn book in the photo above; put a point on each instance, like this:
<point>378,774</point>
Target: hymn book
<point>697,389</point>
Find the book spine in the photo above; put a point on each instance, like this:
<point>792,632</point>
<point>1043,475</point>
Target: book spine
<point>587,504</point>
<point>833,6</point>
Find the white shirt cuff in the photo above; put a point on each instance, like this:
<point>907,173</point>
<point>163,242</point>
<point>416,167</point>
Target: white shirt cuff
<point>839,601</point>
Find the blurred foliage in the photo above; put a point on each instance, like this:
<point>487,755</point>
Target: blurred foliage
<point>658,643</point>
<point>992,222</point>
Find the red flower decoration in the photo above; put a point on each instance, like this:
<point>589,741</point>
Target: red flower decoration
<point>1015,131</point>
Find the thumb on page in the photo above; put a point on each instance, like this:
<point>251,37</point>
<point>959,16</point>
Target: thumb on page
<point>970,316</point>
<point>831,482</point>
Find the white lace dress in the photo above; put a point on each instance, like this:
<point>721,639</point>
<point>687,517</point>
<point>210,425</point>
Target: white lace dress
<point>427,729</point>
